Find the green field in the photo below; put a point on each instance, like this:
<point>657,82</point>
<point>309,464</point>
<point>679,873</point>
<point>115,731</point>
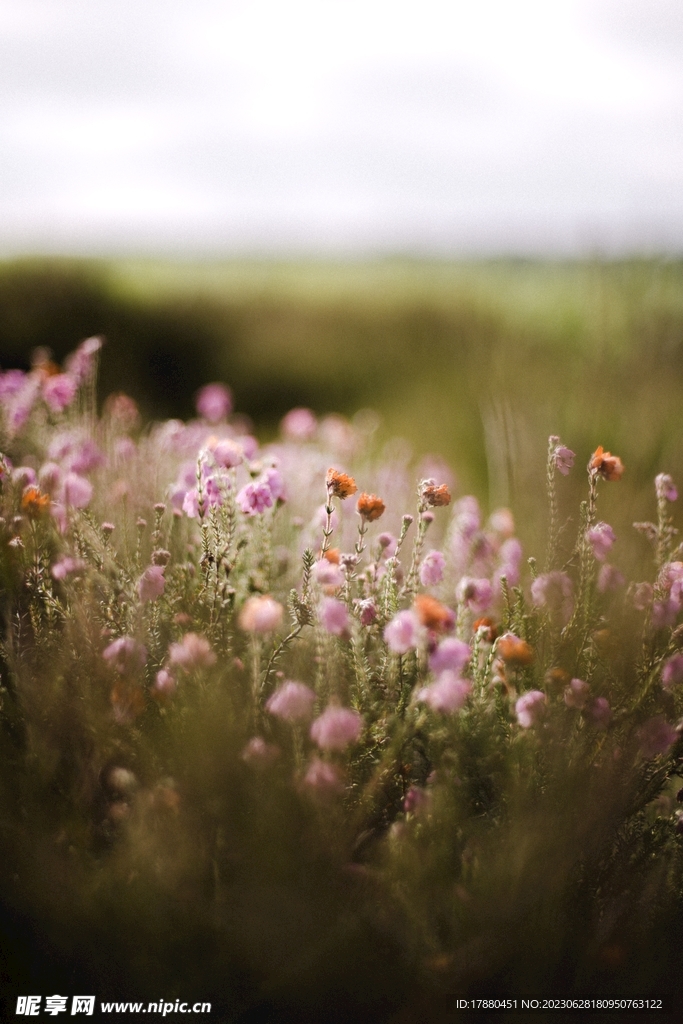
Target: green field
<point>477,362</point>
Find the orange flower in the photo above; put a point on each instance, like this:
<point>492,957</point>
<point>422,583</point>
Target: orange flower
<point>370,507</point>
<point>436,495</point>
<point>433,614</point>
<point>341,485</point>
<point>609,466</point>
<point>34,502</point>
<point>514,651</point>
<point>332,555</point>
<point>491,628</point>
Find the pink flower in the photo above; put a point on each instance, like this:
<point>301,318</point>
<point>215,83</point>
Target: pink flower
<point>334,616</point>
<point>214,402</point>
<point>451,655</point>
<point>151,584</point>
<point>665,487</point>
<point>447,694</point>
<point>367,612</point>
<point>415,800</point>
<point>475,594</point>
<point>59,391</point>
<point>67,566</point>
<point>50,477</point>
<point>562,457</point>
<point>164,684</point>
<point>299,425</point>
<point>228,454</point>
<point>576,694</point>
<point>260,614</point>
<point>601,538</point>
<point>76,491</point>
<point>259,753</point>
<point>327,574</point>
<point>672,673</point>
<point>530,708</point>
<point>609,578</point>
<point>502,522</point>
<point>11,383</point>
<point>23,476</point>
<point>554,591</point>
<point>599,712</point>
<point>255,497</point>
<point>291,702</point>
<point>323,778</point>
<point>193,652</point>
<point>81,364</point>
<point>273,478</point>
<point>431,570</point>
<point>125,654</point>
<point>403,633</point>
<point>656,736</point>
<point>336,728</point>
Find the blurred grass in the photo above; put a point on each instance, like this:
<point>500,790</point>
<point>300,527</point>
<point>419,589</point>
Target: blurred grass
<point>477,362</point>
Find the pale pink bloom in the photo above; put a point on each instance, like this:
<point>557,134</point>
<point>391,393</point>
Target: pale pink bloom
<point>151,584</point>
<point>334,616</point>
<point>299,425</point>
<point>50,477</point>
<point>664,613</point>
<point>76,491</point>
<point>403,632</point>
<point>447,694</point>
<point>81,363</point>
<point>502,522</point>
<point>191,505</point>
<point>260,614</point>
<point>124,448</point>
<point>291,702</point>
<point>193,652</point>
<point>24,476</point>
<point>19,407</point>
<point>323,778</point>
<point>59,391</point>
<point>642,596</point>
<point>509,558</point>
<point>599,712</point>
<point>451,655</point>
<point>467,517</point>
<point>327,574</point>
<point>656,736</point>
<point>665,487</point>
<point>228,454</point>
<point>11,383</point>
<point>67,566</point>
<point>475,594</point>
<point>164,684</point>
<point>601,538</point>
<point>672,673</point>
<point>554,591</point>
<point>214,402</point>
<point>336,728</point>
<point>125,654</point>
<point>367,612</point>
<point>255,497</point>
<point>431,570</point>
<point>273,479</point>
<point>531,708</point>
<point>562,457</point>
<point>248,444</point>
<point>60,516</point>
<point>123,410</point>
<point>260,754</point>
<point>576,694</point>
<point>609,578</point>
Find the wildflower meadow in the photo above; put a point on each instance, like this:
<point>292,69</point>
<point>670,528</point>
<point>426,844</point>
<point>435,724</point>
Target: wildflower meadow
<point>301,730</point>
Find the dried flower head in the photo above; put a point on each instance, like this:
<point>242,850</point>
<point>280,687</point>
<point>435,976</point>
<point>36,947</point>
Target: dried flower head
<point>514,651</point>
<point>435,495</point>
<point>34,503</point>
<point>341,485</point>
<point>433,614</point>
<point>606,465</point>
<point>370,507</point>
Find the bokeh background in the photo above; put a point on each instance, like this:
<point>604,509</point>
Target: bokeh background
<point>468,217</point>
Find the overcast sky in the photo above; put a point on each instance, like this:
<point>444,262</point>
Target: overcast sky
<point>444,126</point>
